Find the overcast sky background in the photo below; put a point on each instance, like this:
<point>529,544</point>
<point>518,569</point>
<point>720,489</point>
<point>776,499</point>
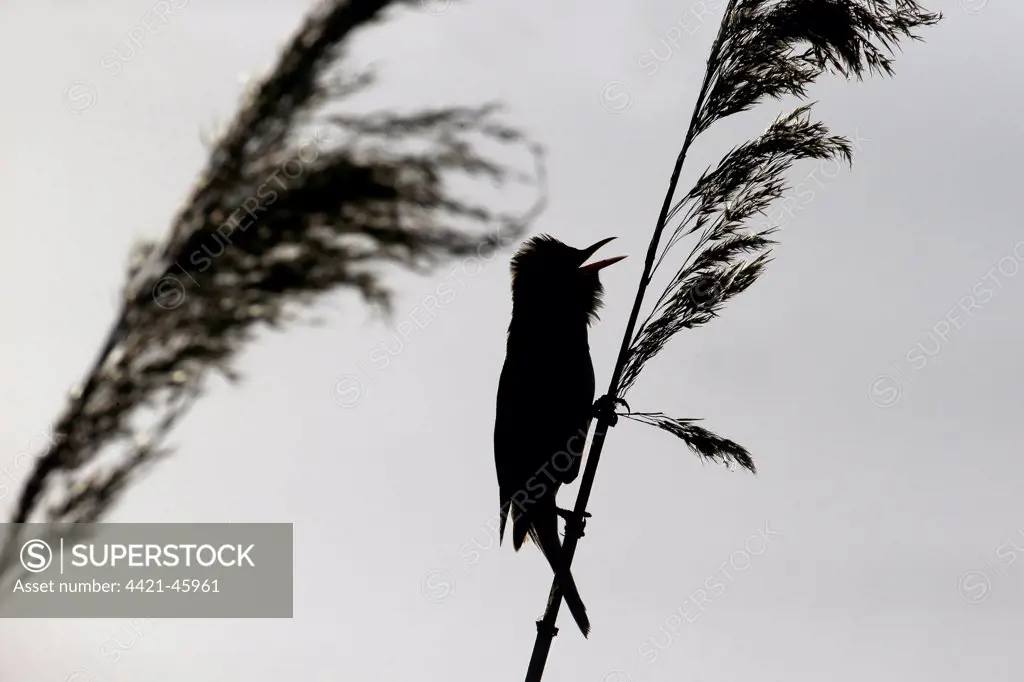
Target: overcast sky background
<point>888,489</point>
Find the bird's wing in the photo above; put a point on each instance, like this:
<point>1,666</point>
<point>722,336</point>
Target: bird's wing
<point>543,413</point>
<point>512,439</point>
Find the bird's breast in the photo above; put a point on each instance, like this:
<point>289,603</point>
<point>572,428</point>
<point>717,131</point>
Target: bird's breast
<point>542,377</point>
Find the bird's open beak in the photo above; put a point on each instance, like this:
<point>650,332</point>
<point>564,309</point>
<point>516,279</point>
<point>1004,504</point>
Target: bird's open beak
<point>598,265</point>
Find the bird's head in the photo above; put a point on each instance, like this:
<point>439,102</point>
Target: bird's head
<point>554,280</point>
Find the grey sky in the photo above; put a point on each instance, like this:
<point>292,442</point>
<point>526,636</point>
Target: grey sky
<point>878,496</point>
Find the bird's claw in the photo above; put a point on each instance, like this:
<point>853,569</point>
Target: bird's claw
<point>574,523</point>
<point>604,409</point>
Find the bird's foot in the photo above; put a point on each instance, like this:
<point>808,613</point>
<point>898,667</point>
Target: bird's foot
<point>604,409</point>
<point>544,628</point>
<point>574,523</point>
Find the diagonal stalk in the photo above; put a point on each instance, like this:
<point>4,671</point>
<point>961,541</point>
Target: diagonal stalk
<point>546,629</point>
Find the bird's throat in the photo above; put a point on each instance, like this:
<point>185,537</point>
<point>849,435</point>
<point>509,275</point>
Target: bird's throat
<point>526,332</point>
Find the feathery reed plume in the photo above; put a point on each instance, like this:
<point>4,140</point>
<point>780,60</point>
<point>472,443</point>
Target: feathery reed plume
<point>256,237</point>
<point>763,49</point>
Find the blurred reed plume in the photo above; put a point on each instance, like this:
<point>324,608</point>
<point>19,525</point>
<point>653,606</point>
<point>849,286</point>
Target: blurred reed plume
<point>296,200</point>
<point>763,49</point>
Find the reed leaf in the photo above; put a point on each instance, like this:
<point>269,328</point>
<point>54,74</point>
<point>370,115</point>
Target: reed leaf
<point>704,443</point>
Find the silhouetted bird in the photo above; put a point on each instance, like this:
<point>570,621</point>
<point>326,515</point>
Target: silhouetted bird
<point>546,396</point>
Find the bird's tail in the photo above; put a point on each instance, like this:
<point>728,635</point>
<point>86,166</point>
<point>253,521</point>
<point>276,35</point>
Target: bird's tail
<point>505,507</point>
<point>544,532</point>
